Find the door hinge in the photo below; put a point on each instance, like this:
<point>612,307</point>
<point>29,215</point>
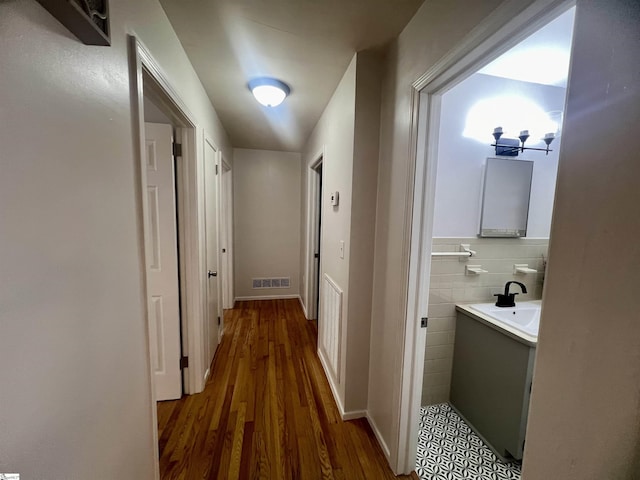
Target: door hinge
<point>216,169</point>
<point>218,321</point>
<point>423,322</point>
<point>177,149</point>
<point>184,363</point>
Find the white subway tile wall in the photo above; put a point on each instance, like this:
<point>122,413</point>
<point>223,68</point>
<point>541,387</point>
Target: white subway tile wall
<point>450,285</point>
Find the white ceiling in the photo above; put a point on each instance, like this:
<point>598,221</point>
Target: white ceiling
<point>308,44</point>
<point>543,57</point>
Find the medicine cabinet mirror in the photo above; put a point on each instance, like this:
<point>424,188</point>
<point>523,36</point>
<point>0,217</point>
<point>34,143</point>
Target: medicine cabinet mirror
<point>505,198</point>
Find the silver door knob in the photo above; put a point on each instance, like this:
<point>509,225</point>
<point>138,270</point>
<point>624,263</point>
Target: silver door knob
<point>211,273</point>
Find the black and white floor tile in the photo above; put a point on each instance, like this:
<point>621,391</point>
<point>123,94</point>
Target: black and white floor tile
<point>449,450</point>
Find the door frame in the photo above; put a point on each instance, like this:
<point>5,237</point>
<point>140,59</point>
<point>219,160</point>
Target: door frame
<point>143,68</point>
<point>312,293</point>
<point>505,28</point>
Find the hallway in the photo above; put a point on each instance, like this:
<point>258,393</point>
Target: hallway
<point>267,410</point>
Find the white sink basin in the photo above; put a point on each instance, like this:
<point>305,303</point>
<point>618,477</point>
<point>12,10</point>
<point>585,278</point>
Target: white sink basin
<point>524,317</point>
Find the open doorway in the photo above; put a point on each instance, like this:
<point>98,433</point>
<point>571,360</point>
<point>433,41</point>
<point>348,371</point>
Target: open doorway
<point>184,179</point>
<point>314,238</point>
<point>317,239</point>
<point>454,262</point>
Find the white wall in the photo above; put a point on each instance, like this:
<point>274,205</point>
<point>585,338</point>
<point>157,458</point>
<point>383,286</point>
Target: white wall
<point>584,420</point>
<point>347,133</point>
<point>266,195</point>
<point>76,400</point>
<point>363,222</point>
<point>461,160</point>
<point>334,134</point>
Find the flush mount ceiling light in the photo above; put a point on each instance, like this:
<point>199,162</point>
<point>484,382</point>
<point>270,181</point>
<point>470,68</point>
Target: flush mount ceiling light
<point>269,91</point>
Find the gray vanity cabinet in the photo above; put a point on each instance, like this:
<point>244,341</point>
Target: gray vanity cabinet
<point>491,383</point>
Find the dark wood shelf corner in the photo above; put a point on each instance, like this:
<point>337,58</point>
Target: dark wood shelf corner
<point>86,19</point>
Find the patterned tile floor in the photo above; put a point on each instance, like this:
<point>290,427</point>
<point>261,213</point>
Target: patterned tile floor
<point>449,450</point>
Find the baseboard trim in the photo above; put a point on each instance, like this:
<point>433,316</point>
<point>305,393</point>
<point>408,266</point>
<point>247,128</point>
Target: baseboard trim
<point>304,308</point>
<point>334,389</point>
<point>376,432</point>
<point>354,414</point>
<point>267,297</point>
<point>348,415</point>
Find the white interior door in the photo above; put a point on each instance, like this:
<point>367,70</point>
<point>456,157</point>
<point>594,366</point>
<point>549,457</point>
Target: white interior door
<point>211,334</point>
<point>226,227</point>
<point>162,262</point>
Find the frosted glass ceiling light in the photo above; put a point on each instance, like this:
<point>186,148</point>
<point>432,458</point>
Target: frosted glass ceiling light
<point>269,91</point>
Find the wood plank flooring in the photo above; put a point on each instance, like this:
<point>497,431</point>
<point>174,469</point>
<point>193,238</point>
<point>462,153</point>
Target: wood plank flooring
<point>267,411</point>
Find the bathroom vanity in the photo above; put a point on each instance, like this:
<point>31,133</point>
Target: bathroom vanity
<point>492,370</point>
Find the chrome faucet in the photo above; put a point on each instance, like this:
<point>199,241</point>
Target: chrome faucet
<point>508,299</point>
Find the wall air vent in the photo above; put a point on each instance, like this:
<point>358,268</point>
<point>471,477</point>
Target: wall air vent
<point>277,282</point>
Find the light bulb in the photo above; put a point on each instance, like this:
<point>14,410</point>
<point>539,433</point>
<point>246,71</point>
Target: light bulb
<point>269,91</point>
<point>269,96</point>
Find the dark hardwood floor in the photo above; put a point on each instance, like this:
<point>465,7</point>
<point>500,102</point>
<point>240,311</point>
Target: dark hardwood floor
<point>267,411</point>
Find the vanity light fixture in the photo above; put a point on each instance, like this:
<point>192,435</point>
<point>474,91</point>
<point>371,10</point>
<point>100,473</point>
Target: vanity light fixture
<point>270,92</point>
<point>510,146</point>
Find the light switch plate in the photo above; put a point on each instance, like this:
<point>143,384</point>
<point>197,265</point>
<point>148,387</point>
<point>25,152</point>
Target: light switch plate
<point>341,248</point>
